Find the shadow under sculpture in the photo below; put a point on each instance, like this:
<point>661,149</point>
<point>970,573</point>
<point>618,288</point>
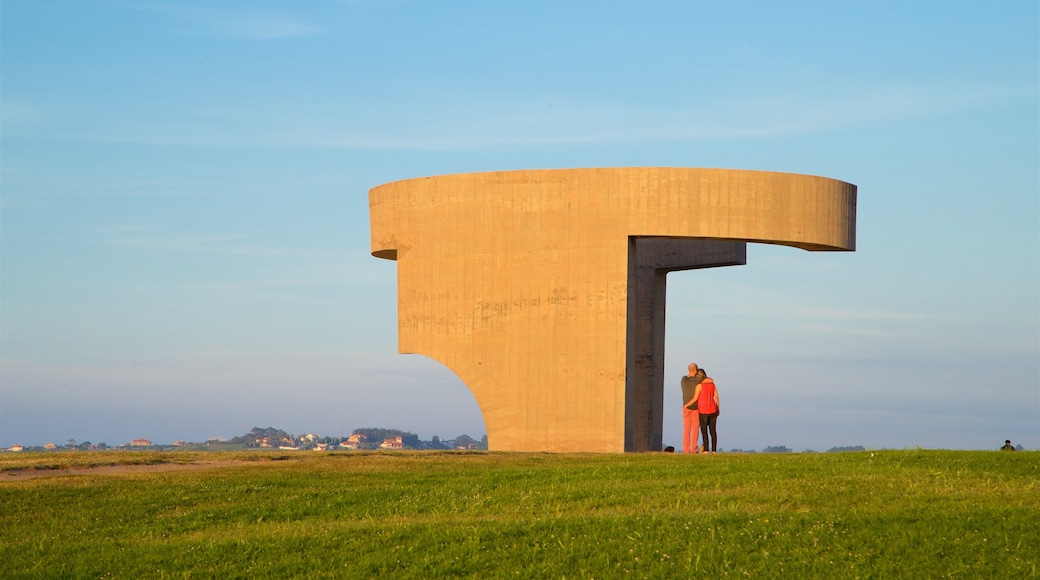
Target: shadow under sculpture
<point>544,290</point>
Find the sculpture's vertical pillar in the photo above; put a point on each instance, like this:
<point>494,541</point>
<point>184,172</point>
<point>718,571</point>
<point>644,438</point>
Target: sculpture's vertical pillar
<point>649,261</point>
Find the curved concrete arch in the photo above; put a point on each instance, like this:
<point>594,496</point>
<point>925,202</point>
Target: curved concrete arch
<point>544,289</point>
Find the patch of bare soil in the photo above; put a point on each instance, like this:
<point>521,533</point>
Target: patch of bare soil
<point>122,469</point>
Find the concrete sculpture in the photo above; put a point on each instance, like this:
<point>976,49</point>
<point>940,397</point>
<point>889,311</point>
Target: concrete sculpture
<point>544,290</point>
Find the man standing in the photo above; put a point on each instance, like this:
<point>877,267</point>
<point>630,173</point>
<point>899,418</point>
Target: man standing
<point>691,419</point>
<point>1007,446</point>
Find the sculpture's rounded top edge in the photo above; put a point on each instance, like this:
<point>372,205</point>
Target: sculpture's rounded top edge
<point>561,172</point>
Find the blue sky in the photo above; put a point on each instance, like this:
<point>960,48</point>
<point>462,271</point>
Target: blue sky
<point>184,242</point>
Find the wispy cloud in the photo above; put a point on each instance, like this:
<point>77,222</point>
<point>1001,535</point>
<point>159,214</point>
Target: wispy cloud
<point>326,261</point>
<point>242,24</point>
<point>264,26</point>
<point>225,245</point>
<point>450,120</point>
<point>23,184</point>
<point>776,307</point>
<point>208,244</point>
<point>454,121</point>
<point>730,299</point>
<point>20,111</point>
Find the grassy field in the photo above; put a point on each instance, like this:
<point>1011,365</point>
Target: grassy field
<point>886,514</point>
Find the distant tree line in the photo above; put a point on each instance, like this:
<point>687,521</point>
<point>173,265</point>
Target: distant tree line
<point>786,449</point>
<point>251,439</point>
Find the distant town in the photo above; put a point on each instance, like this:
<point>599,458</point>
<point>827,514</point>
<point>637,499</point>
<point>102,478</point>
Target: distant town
<point>272,438</point>
<point>363,439</point>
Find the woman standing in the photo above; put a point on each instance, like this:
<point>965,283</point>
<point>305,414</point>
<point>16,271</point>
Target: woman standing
<point>708,406</point>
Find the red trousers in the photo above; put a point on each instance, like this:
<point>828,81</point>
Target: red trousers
<point>691,428</point>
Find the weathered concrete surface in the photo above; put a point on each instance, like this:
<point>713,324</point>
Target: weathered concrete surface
<point>544,290</point>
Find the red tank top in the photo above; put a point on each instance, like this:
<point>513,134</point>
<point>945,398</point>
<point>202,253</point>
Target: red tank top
<point>706,403</point>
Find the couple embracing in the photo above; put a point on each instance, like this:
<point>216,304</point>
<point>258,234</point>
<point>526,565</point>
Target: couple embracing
<point>700,410</point>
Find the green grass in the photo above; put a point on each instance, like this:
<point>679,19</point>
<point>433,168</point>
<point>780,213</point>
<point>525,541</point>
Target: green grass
<point>890,514</point>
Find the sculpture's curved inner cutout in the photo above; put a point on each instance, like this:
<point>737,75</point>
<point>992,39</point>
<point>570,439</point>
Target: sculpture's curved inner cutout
<point>544,290</point>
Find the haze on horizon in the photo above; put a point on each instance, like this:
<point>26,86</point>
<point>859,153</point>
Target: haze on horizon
<point>184,247</point>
